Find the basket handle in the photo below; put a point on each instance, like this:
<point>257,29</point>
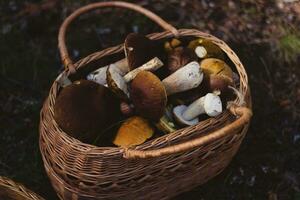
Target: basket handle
<point>66,60</point>
<point>244,114</point>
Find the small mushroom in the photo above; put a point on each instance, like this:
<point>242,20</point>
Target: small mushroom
<point>134,131</point>
<point>187,77</point>
<point>139,49</point>
<point>84,109</point>
<point>206,49</point>
<point>179,57</point>
<point>99,75</point>
<point>148,95</point>
<point>188,115</point>
<point>151,65</point>
<point>170,45</point>
<point>210,104</point>
<point>117,83</point>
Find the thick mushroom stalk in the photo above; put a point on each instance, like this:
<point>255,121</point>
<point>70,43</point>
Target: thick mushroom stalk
<point>99,75</point>
<point>151,65</point>
<point>210,104</point>
<point>188,77</point>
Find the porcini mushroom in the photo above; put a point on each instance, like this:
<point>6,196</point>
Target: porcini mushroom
<point>216,66</point>
<point>117,83</point>
<point>185,78</point>
<point>99,75</point>
<point>218,76</point>
<point>139,49</point>
<point>206,49</point>
<point>151,65</point>
<point>179,57</point>
<point>210,104</point>
<point>148,95</point>
<point>134,131</point>
<point>84,109</point>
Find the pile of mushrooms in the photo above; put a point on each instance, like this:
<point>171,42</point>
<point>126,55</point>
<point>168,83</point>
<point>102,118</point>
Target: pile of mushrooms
<point>159,87</point>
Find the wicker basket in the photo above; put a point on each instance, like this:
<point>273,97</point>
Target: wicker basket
<point>158,169</point>
<point>10,190</point>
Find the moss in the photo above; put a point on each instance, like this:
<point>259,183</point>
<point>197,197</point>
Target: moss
<point>289,47</point>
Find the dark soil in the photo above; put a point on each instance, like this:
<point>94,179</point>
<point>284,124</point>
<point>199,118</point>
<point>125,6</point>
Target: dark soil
<point>264,34</point>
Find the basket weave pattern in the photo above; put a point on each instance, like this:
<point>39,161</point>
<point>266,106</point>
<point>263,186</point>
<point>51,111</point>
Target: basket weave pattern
<point>14,191</point>
<point>158,169</point>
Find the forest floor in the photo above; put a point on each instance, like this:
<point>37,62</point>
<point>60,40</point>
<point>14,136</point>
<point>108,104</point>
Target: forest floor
<point>265,34</point>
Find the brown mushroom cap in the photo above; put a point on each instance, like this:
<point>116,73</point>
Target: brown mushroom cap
<point>216,66</point>
<point>179,57</point>
<point>85,108</point>
<point>134,131</point>
<point>148,95</point>
<point>139,49</point>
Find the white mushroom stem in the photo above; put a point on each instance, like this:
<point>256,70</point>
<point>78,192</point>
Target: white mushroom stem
<point>99,75</point>
<point>210,104</point>
<point>188,77</point>
<point>200,51</point>
<point>151,65</point>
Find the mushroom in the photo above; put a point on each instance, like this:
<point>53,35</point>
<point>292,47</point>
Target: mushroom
<point>134,131</point>
<point>216,66</point>
<point>206,49</point>
<point>117,83</point>
<point>140,49</point>
<point>218,76</point>
<point>179,57</point>
<point>185,78</point>
<point>99,75</point>
<point>170,45</point>
<point>151,65</point>
<point>148,95</point>
<point>84,109</point>
<point>210,104</point>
